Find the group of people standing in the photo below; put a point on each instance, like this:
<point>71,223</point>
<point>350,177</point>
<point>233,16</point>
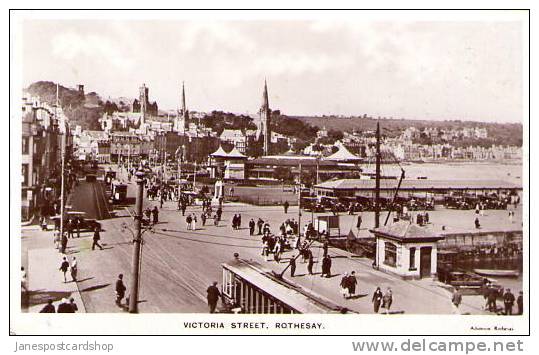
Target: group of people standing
<point>152,215</point>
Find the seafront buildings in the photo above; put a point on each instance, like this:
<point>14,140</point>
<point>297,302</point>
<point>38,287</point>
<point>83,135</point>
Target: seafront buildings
<point>144,133</point>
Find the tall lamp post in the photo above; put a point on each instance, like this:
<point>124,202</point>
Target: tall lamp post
<point>137,242</point>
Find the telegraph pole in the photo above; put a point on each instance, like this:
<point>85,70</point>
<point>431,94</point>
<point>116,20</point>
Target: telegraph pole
<point>299,202</point>
<point>377,190</point>
<point>135,267</point>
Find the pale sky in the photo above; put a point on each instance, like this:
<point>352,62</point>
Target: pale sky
<point>422,70</point>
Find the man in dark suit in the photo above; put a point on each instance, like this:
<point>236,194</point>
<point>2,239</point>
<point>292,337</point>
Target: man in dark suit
<point>120,289</point>
<point>292,264</point>
<point>213,296</point>
<point>65,307</point>
<point>49,308</point>
<point>326,266</point>
<point>508,302</point>
<point>96,239</point>
<point>251,227</point>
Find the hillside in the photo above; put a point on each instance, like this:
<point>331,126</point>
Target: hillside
<point>83,110</point>
<point>499,133</point>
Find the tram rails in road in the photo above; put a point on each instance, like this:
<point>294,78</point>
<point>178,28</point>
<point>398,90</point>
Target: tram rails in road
<point>249,288</point>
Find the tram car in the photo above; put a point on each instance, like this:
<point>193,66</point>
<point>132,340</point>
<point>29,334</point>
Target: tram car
<point>118,193</point>
<point>249,288</point>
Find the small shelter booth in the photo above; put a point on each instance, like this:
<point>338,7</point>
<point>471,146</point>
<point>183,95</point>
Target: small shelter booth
<point>407,250</point>
<point>235,165</point>
<point>328,224</point>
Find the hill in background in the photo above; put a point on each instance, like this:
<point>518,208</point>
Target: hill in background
<point>498,133</point>
<point>84,110</point>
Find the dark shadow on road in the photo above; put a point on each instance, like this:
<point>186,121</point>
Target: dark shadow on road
<point>333,275</point>
<point>42,296</point>
<point>96,287</point>
<point>86,279</point>
<point>361,295</point>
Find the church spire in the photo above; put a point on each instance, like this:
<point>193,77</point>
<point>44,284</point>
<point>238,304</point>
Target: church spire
<point>265,101</point>
<point>183,108</point>
<point>265,121</point>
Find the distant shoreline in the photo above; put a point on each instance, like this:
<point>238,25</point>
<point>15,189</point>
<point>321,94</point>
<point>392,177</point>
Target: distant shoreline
<point>464,162</point>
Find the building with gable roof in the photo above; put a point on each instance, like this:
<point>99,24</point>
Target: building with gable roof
<point>407,250</point>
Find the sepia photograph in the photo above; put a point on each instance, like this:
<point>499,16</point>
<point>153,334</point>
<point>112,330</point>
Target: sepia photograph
<point>269,172</point>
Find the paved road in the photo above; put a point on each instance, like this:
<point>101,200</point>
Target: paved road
<point>90,197</point>
<point>178,265</point>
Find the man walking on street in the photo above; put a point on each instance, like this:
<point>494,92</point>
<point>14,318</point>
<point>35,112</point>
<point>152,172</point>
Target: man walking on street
<point>508,301</point>
<point>251,227</point>
<point>96,239</point>
<point>260,223</point>
<point>64,244</point>
<point>188,221</point>
<point>120,290</point>
<point>292,264</point>
<point>285,206</point>
<point>213,296</point>
<point>64,266</point>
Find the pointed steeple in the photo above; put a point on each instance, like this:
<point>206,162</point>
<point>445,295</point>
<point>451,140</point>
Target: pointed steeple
<point>265,101</point>
<point>264,122</point>
<point>183,108</point>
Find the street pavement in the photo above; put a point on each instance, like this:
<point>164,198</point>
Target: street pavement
<point>178,265</point>
<point>45,280</point>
